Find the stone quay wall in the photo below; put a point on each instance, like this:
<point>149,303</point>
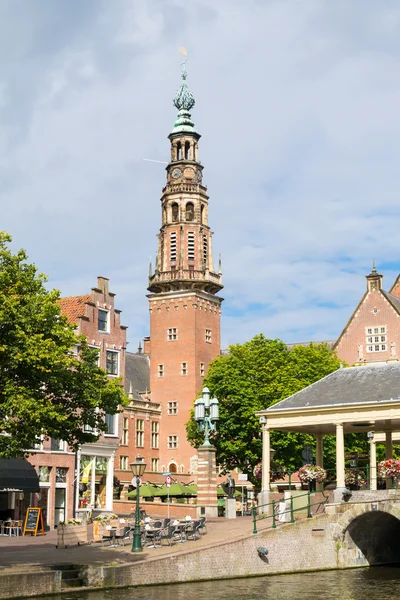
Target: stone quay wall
<point>303,546</point>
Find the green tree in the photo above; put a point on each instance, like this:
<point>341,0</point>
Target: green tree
<point>252,377</point>
<point>44,389</point>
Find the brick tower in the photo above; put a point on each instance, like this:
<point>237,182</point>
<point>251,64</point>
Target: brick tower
<point>184,309</point>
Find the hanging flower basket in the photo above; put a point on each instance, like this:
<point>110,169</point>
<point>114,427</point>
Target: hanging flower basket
<point>389,468</point>
<point>309,473</point>
<point>355,479</point>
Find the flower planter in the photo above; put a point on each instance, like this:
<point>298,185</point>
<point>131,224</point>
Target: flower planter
<point>71,535</point>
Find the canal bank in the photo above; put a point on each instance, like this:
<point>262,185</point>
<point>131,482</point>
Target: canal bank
<point>34,567</point>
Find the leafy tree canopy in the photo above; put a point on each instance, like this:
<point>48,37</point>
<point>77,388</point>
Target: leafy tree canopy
<point>44,389</point>
<point>252,377</point>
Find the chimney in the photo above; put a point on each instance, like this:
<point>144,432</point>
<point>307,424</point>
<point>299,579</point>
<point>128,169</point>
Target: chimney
<point>146,346</point>
<point>102,284</point>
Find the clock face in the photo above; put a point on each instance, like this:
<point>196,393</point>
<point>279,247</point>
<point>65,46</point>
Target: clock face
<point>199,175</point>
<point>176,173</point>
<point>189,173</point>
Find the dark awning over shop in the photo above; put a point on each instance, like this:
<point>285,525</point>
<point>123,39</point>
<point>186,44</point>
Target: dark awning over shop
<point>17,475</point>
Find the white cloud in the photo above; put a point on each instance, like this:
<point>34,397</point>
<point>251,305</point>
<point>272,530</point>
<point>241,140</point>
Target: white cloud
<point>298,106</point>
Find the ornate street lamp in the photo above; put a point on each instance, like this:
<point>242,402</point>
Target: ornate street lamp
<point>138,467</point>
<point>206,414</point>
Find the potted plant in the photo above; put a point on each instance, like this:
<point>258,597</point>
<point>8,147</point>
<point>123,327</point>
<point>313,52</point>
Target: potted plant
<point>311,474</point>
<point>355,479</point>
<point>71,533</point>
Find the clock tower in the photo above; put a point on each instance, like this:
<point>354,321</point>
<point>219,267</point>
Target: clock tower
<point>184,308</point>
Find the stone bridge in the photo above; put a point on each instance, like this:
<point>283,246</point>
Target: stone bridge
<point>366,529</point>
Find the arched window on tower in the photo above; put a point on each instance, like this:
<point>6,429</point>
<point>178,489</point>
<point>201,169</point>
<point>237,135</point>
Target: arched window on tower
<point>189,211</point>
<point>187,150</point>
<point>202,214</point>
<point>179,150</point>
<point>164,214</point>
<point>175,212</point>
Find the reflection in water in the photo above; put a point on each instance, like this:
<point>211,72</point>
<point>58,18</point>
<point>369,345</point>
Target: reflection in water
<point>376,583</point>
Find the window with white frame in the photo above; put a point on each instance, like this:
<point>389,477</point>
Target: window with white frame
<point>109,420</point>
<point>155,464</point>
<point>103,320</point>
<point>172,246</point>
<point>173,407</point>
<point>202,369</point>
<point>39,443</point>
<point>160,370</point>
<point>172,441</point>
<point>124,463</point>
<point>184,368</point>
<point>125,431</point>
<point>139,433</point>
<point>112,362</point>
<point>376,338</point>
<point>172,334</point>
<point>208,336</point>
<point>57,445</point>
<point>155,433</point>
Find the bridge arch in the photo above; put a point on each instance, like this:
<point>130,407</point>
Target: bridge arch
<point>371,531</point>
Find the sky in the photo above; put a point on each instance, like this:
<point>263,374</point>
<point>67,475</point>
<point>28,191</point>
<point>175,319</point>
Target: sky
<point>298,106</point>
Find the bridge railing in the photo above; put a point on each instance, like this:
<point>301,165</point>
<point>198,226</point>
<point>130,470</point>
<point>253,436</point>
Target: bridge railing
<point>279,514</point>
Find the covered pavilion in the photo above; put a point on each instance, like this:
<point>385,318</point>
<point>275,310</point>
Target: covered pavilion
<point>349,400</point>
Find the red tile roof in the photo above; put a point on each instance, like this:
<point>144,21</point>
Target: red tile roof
<point>74,307</point>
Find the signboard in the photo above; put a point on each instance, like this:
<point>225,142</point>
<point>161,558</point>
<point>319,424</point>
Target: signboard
<point>242,477</point>
<point>33,521</point>
<point>133,481</point>
<point>168,480</point>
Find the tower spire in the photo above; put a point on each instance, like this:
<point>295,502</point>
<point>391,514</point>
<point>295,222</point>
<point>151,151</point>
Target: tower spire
<point>184,102</point>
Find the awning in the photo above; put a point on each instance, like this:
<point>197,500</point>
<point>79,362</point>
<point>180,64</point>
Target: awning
<point>17,475</point>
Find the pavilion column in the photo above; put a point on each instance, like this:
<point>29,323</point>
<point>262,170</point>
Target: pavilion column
<point>372,465</point>
<point>388,445</point>
<point>319,456</point>
<point>340,479</point>
<point>263,496</point>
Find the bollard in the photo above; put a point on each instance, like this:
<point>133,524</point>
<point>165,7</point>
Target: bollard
<point>254,519</point>
<point>309,515</point>
<point>273,515</point>
<point>291,510</point>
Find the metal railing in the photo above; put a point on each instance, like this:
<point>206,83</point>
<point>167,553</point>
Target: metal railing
<point>274,504</point>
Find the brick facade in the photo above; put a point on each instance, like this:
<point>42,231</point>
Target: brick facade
<point>373,332</point>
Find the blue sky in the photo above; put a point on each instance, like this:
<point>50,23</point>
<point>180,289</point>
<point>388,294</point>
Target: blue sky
<point>298,106</point>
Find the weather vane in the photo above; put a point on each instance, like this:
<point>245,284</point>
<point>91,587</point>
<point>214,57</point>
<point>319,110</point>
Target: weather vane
<point>183,51</point>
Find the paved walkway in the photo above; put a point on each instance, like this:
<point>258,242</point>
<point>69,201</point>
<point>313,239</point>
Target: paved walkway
<point>24,553</point>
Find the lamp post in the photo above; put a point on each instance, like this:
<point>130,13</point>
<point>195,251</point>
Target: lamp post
<point>138,467</point>
<point>206,414</point>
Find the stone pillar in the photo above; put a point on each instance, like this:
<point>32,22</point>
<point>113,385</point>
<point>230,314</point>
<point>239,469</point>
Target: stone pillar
<point>319,456</point>
<point>372,465</point>
<point>110,483</point>
<point>263,496</point>
<point>340,484</point>
<point>207,501</point>
<point>388,445</point>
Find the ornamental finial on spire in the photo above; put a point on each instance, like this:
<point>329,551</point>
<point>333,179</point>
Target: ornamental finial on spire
<point>184,99</point>
<point>184,102</point>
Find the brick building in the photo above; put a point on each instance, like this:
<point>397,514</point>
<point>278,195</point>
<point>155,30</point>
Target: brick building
<point>78,482</point>
<point>184,308</point>
<point>372,333</point>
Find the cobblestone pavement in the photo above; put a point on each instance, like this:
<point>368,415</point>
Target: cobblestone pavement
<point>23,553</point>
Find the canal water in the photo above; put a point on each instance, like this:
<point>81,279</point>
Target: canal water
<point>375,583</point>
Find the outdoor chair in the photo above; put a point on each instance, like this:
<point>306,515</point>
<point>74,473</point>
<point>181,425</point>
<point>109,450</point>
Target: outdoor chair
<point>166,523</point>
<point>168,533</point>
<point>152,538</point>
<point>124,535</point>
<point>203,526</point>
<point>157,524</point>
<point>192,532</point>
